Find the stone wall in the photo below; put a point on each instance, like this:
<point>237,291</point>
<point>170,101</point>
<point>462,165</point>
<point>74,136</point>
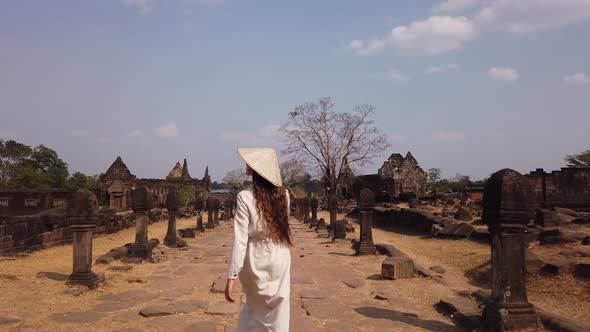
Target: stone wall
<point>569,188</point>
<point>50,228</point>
<point>29,202</point>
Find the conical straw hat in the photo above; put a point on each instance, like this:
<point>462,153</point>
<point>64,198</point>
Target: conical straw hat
<point>263,161</point>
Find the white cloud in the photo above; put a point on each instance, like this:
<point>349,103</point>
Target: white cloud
<point>435,35</point>
<point>392,75</point>
<point>144,6</point>
<point>442,68</point>
<point>167,130</point>
<point>530,16</point>
<point>578,79</point>
<point>452,6</point>
<point>133,133</point>
<point>503,74</point>
<point>448,137</point>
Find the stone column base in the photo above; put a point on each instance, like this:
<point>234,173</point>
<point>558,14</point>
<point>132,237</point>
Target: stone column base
<point>366,248</point>
<point>510,317</point>
<point>141,250</point>
<point>88,279</point>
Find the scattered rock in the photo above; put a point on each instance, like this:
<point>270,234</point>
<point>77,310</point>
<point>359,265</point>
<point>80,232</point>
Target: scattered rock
<point>204,326</point>
<point>438,269</point>
<point>554,236</point>
<point>354,283</point>
<point>104,260</point>
<point>156,311</point>
<point>568,212</point>
<point>131,260</point>
<point>124,268</point>
<point>582,220</point>
<point>463,214</point>
<point>582,271</point>
<point>399,267</point>
<point>9,320</point>
<point>586,241</point>
<point>101,276</point>
<point>53,276</point>
<point>559,268</point>
<point>136,280</point>
<point>6,276</point>
<point>222,309</point>
<point>462,311</point>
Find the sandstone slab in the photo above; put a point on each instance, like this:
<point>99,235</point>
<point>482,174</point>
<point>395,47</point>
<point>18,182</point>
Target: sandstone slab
<point>222,309</point>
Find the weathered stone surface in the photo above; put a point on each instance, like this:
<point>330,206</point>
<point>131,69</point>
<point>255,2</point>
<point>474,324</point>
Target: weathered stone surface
<point>9,320</point>
<point>222,309</point>
<point>53,276</point>
<point>129,329</point>
<point>230,328</point>
<point>354,283</point>
<point>302,279</point>
<point>582,271</point>
<point>586,241</point>
<point>127,316</point>
<point>204,326</point>
<point>324,309</point>
<point>136,280</point>
<point>463,214</point>
<point>155,311</point>
<point>115,306</point>
<point>438,269</point>
<point>461,310</point>
<point>399,267</point>
<point>554,236</point>
<point>568,212</point>
<point>585,220</point>
<point>189,306</point>
<point>78,317</point>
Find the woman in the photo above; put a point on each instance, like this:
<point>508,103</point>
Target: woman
<point>260,253</point>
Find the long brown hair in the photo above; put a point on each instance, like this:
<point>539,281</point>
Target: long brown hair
<point>271,204</point>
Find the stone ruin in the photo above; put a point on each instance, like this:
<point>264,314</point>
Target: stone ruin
<point>400,178</point>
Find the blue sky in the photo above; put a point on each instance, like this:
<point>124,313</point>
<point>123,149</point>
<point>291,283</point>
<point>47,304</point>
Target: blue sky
<point>469,86</point>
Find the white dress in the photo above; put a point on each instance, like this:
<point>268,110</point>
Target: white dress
<point>263,268</point>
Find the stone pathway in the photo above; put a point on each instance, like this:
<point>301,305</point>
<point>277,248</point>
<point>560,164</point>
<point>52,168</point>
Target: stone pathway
<point>331,291</point>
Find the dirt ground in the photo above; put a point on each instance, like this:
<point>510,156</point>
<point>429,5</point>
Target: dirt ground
<point>319,267</point>
<point>468,263</point>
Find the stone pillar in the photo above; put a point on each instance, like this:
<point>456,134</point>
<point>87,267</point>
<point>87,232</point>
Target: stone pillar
<point>333,208</point>
<point>199,207</point>
<point>366,204</point>
<point>210,223</point>
<point>172,203</point>
<point>216,206</point>
<point>340,229</point>
<point>314,211</point>
<point>306,210</point>
<point>82,214</point>
<point>507,211</point>
<point>141,206</point>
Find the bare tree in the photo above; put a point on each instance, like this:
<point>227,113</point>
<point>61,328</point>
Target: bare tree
<point>292,171</point>
<point>236,178</point>
<point>318,135</point>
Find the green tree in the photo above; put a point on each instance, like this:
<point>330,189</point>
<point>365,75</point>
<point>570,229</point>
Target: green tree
<point>580,160</point>
<point>433,177</point>
<point>12,154</point>
<point>187,194</point>
<point>80,180</point>
<point>49,166</point>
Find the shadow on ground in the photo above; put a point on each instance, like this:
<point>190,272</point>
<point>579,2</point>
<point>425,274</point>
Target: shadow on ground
<point>404,317</point>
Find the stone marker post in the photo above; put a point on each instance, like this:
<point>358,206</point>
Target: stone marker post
<point>333,208</point>
<point>306,210</point>
<point>141,206</point>
<point>340,229</point>
<point>82,214</point>
<point>314,211</point>
<point>199,207</point>
<point>366,204</point>
<point>507,211</point>
<point>172,203</point>
<point>216,206</point>
<point>210,223</point>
